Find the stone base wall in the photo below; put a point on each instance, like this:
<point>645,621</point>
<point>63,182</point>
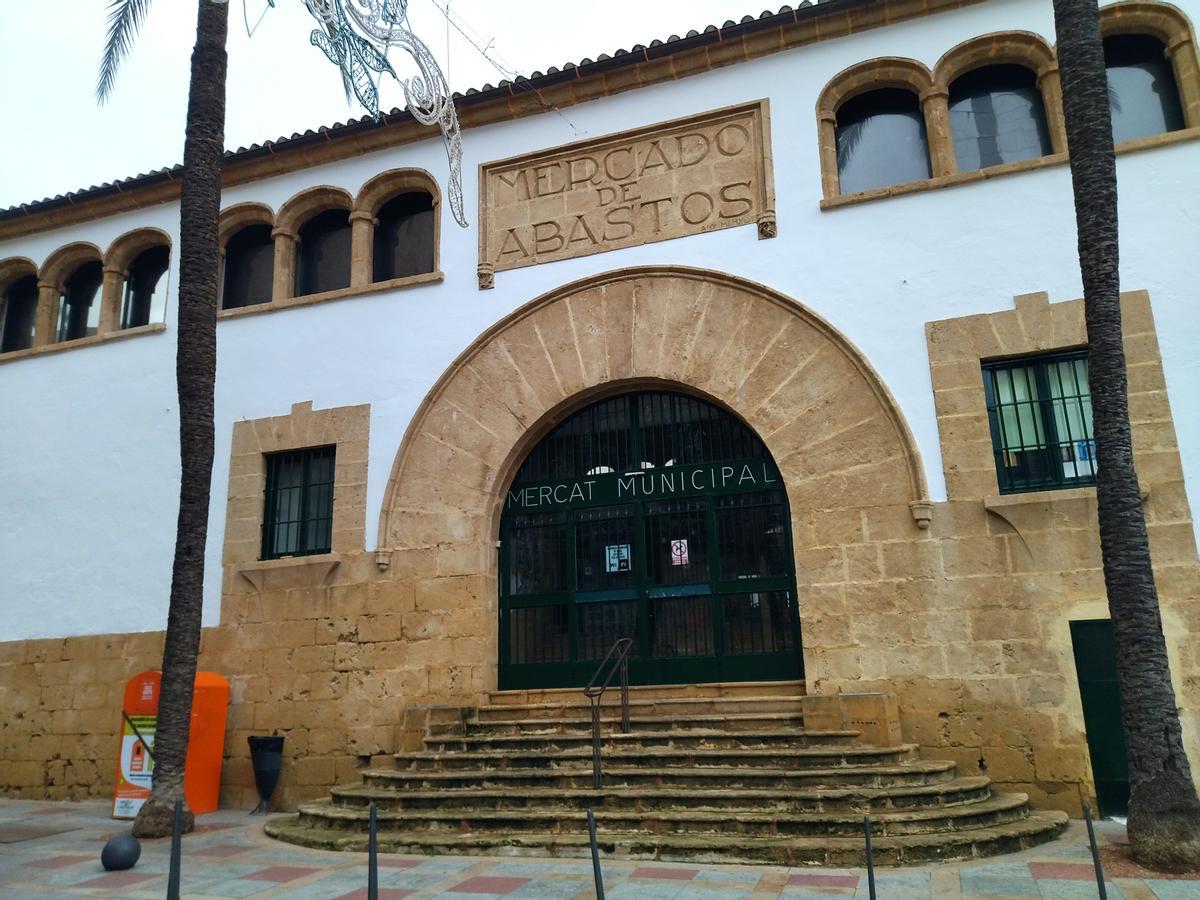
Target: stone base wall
<point>960,608</point>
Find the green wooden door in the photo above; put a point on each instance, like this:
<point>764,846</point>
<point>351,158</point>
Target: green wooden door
<point>654,516</point>
<point>1096,668</point>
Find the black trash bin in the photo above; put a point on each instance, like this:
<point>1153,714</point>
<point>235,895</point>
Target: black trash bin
<point>266,755</point>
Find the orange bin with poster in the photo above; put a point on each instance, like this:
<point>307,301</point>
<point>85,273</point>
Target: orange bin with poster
<point>206,743</point>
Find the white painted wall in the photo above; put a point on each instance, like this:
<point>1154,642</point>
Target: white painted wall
<point>88,438</point>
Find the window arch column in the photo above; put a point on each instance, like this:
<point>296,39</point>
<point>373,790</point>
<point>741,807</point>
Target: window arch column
<point>110,298</point>
<point>1181,51</point>
<point>362,247</point>
<point>935,106</point>
<point>284,283</point>
<point>49,295</point>
<point>1050,86</point>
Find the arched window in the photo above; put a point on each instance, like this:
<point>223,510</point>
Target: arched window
<point>881,140</point>
<point>18,314</point>
<point>249,267</point>
<point>323,257</point>
<point>404,238</point>
<point>79,309</point>
<point>996,117</point>
<point>1142,93</point>
<point>146,289</point>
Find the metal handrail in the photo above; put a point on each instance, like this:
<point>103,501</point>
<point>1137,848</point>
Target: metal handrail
<point>617,660</point>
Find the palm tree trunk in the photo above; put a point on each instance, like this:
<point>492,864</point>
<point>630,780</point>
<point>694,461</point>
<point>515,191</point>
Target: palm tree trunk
<point>1164,813</point>
<point>195,371</point>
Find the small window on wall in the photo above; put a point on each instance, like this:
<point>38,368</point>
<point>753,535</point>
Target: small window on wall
<point>996,117</point>
<point>1040,413</point>
<point>79,311</point>
<point>881,141</point>
<point>18,312</point>
<point>404,237</point>
<point>323,257</point>
<point>1142,93</point>
<point>146,288</point>
<point>249,267</point>
<point>298,519</point>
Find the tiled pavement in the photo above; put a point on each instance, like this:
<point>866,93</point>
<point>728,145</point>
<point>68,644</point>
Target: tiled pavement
<point>53,849</point>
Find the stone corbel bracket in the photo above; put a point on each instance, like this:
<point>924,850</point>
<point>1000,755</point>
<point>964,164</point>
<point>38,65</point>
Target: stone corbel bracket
<point>922,513</point>
<point>298,571</point>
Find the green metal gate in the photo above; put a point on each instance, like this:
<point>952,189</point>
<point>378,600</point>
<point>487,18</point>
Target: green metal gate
<point>1096,667</point>
<point>655,516</point>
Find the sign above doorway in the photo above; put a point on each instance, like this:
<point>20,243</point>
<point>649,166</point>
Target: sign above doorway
<point>678,178</point>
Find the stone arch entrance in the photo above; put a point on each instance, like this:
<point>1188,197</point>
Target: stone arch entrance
<point>652,515</point>
<point>844,453</point>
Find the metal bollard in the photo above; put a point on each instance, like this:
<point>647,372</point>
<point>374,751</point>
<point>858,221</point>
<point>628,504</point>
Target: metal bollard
<point>1087,816</point>
<point>595,856</point>
<point>373,856</point>
<point>176,852</point>
<point>870,858</point>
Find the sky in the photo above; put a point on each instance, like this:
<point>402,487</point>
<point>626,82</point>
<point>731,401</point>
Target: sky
<point>278,82</point>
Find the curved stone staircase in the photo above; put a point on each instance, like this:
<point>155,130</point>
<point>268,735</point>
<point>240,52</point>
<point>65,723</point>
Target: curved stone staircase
<point>716,773</point>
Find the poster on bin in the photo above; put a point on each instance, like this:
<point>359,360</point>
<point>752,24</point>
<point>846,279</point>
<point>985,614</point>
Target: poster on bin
<point>135,766</point>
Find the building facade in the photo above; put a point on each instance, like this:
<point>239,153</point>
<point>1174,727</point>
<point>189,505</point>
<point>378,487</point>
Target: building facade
<point>762,347</point>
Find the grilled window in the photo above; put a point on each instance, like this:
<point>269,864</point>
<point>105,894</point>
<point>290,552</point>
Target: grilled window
<point>298,520</point>
<point>1040,413</point>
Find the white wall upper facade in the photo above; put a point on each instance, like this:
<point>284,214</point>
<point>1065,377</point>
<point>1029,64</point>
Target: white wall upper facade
<point>88,437</point>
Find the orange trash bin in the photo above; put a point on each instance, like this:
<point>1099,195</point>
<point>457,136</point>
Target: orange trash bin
<point>206,743</point>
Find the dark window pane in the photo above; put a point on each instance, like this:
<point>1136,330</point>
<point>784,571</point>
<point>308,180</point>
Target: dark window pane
<point>323,253</point>
<point>1040,414</point>
<point>19,314</point>
<point>602,624</point>
<point>752,531</point>
<point>758,623</point>
<point>681,626</point>
<point>249,267</point>
<point>604,549</point>
<point>298,519</point>
<point>1142,93</point>
<point>677,541</point>
<point>146,289</point>
<point>996,116</point>
<point>538,548</point>
<point>79,311</point>
<point>538,634</point>
<point>881,141</point>
<point>404,237</point>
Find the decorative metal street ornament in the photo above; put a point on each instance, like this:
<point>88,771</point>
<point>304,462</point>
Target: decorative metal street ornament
<point>356,35</point>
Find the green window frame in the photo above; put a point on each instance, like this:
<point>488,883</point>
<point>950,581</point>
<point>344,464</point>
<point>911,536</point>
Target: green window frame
<point>298,510</point>
<point>1040,416</point>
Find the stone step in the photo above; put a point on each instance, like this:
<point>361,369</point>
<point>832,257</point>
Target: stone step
<point>610,741</point>
<point>858,799</point>
<point>662,757</point>
<point>576,707</point>
<point>610,721</point>
<point>720,689</point>
<point>917,772</point>
<point>997,810</point>
<point>911,849</point>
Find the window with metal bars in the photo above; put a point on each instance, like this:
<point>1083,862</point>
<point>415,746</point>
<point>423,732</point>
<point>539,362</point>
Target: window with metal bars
<point>1040,414</point>
<point>298,519</point>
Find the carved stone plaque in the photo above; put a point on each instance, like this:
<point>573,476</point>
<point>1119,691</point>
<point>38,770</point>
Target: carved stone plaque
<point>665,181</point>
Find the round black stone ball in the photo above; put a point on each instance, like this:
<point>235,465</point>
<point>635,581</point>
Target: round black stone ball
<point>121,852</point>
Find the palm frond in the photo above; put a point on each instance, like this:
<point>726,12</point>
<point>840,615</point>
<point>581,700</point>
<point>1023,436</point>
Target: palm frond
<point>125,17</point>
